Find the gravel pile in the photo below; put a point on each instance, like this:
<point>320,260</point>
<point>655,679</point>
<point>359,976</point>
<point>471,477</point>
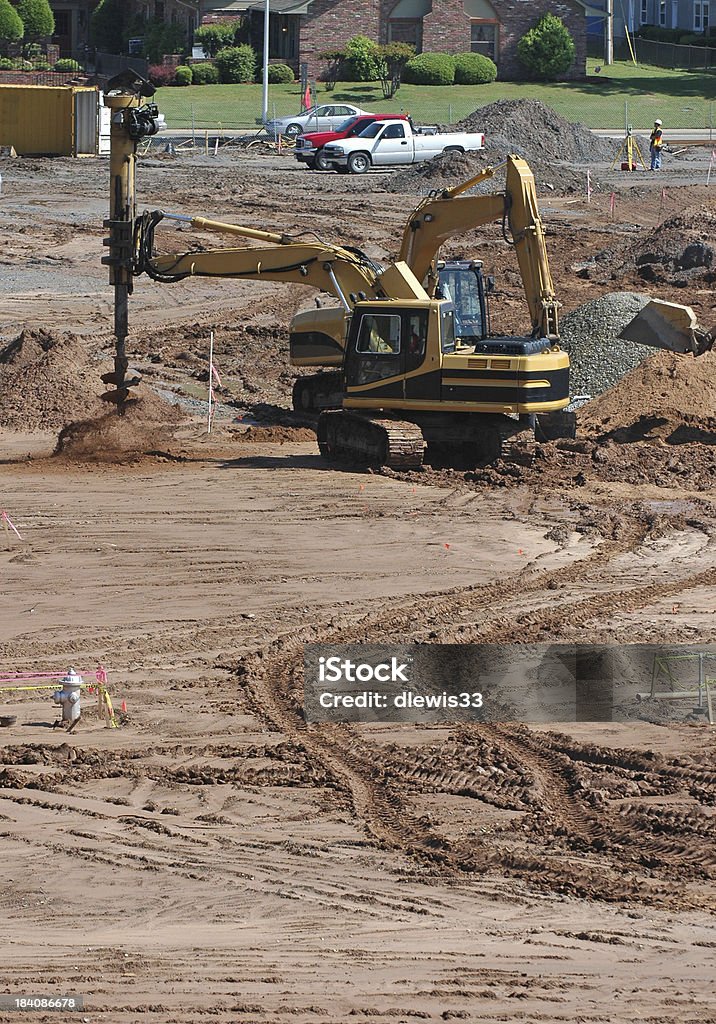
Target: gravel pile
<point>597,357</point>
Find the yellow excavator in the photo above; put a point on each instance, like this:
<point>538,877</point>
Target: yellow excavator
<point>409,376</point>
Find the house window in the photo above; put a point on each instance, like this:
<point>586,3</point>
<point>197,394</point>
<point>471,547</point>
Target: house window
<point>701,15</point>
<point>283,36</point>
<point>644,12</point>
<point>483,38</point>
<point>662,13</point>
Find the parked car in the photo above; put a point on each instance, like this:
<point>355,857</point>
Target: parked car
<point>386,143</point>
<point>323,118</point>
<point>309,147</point>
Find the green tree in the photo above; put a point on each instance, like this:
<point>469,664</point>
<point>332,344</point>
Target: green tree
<point>363,61</point>
<point>547,50</point>
<point>213,38</point>
<point>108,25</point>
<point>11,26</point>
<point>37,17</point>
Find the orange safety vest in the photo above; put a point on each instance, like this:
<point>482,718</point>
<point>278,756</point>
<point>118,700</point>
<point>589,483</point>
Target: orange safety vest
<point>656,141</point>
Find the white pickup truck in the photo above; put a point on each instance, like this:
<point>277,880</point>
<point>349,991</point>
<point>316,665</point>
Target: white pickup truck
<point>388,143</point>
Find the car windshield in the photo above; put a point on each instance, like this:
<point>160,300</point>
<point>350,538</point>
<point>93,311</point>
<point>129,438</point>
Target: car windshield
<point>372,130</point>
<point>344,126</point>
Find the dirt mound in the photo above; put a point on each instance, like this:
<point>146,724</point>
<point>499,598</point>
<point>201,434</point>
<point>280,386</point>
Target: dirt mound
<point>534,131</point>
<point>46,380</point>
<point>451,168</point>
<point>676,252</point>
<point>675,389</point>
<point>147,423</point>
<point>528,128</point>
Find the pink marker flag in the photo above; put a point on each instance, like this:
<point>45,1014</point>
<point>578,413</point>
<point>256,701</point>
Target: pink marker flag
<point>215,373</point>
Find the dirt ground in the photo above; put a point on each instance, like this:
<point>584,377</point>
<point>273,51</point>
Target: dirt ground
<point>216,858</point>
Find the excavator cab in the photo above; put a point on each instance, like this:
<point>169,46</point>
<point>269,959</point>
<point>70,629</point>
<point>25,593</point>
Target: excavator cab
<point>464,284</point>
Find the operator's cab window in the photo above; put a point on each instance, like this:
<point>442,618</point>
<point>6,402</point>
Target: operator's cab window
<point>378,347</point>
<point>447,330</point>
<point>379,333</point>
<point>394,131</point>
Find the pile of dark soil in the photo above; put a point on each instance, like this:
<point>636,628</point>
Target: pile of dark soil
<point>46,381</point>
<point>677,252</point>
<point>528,128</point>
<point>534,131</point>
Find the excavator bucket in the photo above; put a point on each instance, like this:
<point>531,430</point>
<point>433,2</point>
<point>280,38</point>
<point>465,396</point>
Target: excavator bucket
<point>668,325</point>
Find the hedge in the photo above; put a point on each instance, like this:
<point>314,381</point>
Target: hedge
<point>236,63</point>
<point>204,74</point>
<point>430,69</point>
<point>183,75</point>
<point>474,69</point>
<point>280,74</point>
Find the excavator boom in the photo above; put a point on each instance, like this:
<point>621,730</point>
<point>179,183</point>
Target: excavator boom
<point>440,217</point>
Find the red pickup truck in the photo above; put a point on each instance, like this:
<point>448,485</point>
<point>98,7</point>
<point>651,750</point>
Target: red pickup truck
<point>309,147</point>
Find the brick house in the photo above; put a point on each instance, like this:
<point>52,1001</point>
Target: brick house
<point>72,18</point>
<point>301,29</point>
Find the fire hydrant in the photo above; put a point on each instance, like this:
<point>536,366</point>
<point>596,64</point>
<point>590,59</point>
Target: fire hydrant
<point>69,698</point>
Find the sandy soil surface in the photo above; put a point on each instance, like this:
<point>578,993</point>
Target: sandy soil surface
<point>214,857</point>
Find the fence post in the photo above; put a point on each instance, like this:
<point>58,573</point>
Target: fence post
<point>193,128</point>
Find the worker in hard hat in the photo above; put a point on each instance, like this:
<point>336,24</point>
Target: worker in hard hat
<point>656,143</point>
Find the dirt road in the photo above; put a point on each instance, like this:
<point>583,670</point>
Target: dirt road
<point>214,857</point>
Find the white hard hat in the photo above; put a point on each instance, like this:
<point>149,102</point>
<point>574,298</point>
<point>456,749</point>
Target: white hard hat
<point>657,121</point>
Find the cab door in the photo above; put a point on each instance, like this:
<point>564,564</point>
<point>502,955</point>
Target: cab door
<point>393,146</point>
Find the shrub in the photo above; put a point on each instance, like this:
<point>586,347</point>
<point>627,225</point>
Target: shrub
<point>213,38</point>
<point>430,69</point>
<point>37,17</point>
<point>547,50</point>
<point>6,64</point>
<point>280,74</point>
<point>236,63</point>
<point>42,65</point>
<point>20,64</point>
<point>67,64</point>
<point>160,74</point>
<point>474,69</point>
<point>11,26</point>
<point>363,61</point>
<point>204,74</point>
<point>108,25</point>
<point>183,75</point>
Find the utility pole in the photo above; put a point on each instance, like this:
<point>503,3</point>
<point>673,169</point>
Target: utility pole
<point>264,106</point>
<point>609,34</point>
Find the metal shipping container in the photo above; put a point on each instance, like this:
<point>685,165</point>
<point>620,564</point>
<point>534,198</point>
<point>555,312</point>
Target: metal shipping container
<point>50,120</point>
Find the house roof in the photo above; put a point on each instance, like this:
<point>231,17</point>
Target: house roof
<point>591,11</point>
<point>240,6</point>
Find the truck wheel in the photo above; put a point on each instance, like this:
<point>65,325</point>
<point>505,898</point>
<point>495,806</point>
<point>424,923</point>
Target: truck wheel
<point>454,149</point>
<point>292,130</point>
<point>320,162</point>
<point>358,163</point>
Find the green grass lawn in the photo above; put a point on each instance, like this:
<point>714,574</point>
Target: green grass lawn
<point>682,99</point>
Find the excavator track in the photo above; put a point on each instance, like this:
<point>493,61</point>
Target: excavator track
<point>318,391</point>
<point>350,437</point>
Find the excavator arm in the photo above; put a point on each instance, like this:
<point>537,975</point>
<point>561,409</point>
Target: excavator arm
<point>347,274</point>
<point>440,217</point>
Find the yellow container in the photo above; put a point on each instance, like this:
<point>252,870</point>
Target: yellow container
<point>49,120</point>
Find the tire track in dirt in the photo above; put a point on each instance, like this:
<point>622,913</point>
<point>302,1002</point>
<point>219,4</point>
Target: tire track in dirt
<point>273,679</point>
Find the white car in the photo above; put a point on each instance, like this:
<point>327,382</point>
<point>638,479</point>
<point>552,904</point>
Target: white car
<point>323,118</point>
